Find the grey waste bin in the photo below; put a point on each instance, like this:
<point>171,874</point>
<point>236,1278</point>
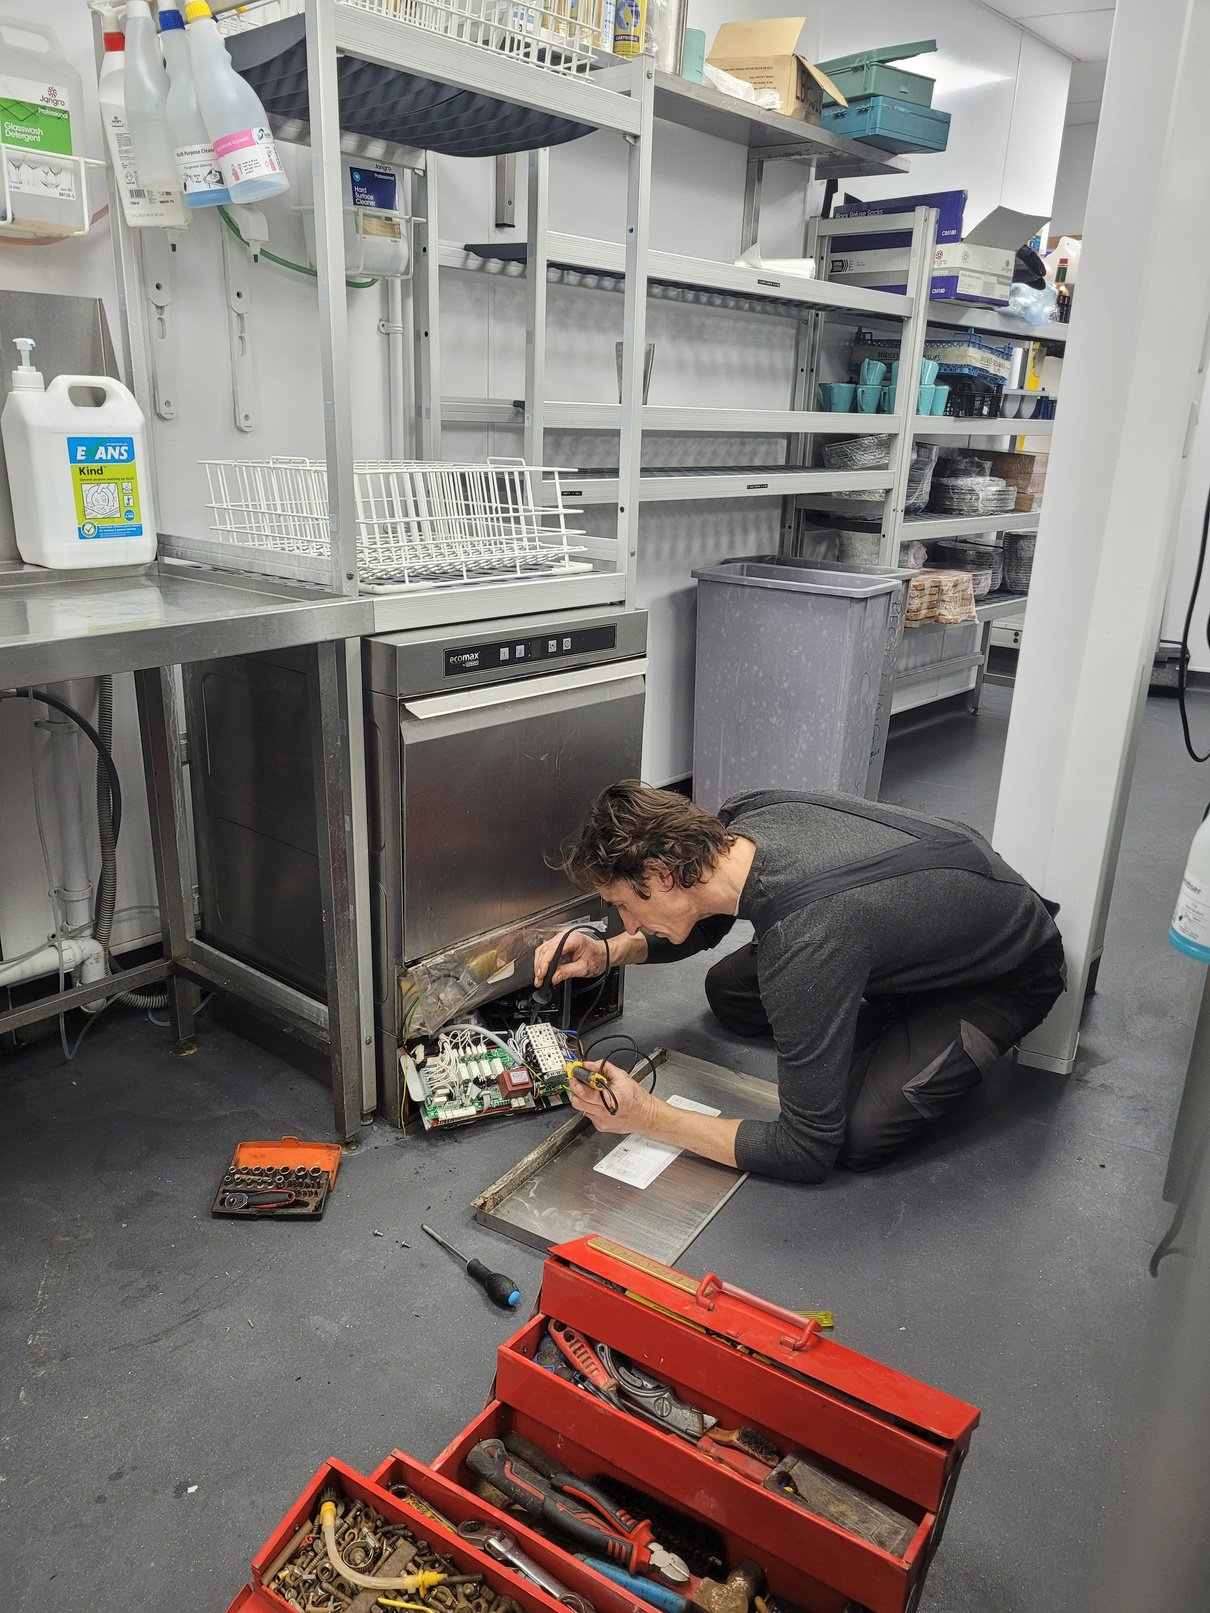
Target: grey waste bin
<point>790,664</point>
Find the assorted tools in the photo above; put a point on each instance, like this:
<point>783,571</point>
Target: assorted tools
<point>490,1537</point>
<point>284,1180</point>
<point>501,1290</point>
<point>347,1558</point>
<point>573,1507</point>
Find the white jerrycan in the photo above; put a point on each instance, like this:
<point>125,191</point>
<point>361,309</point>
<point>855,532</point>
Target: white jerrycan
<point>77,471</point>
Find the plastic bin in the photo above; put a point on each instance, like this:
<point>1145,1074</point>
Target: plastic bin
<point>891,125</point>
<point>791,661</point>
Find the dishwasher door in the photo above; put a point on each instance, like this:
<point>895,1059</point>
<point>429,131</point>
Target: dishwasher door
<point>493,781</point>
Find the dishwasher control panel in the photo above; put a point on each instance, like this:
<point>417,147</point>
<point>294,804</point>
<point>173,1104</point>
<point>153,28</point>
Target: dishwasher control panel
<point>511,652</point>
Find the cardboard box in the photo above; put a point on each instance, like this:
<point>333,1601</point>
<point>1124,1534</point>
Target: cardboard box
<point>1025,472</point>
<point>961,273</point>
<point>765,54</point>
<point>974,264</point>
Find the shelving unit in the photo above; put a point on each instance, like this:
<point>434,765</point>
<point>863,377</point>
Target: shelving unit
<point>897,527</point>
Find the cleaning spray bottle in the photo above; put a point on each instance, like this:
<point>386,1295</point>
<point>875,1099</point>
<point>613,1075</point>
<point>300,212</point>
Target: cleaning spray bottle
<point>235,119</point>
<point>77,470</point>
<point>146,88</point>
<point>196,163</point>
<point>1189,931</point>
<point>140,207</point>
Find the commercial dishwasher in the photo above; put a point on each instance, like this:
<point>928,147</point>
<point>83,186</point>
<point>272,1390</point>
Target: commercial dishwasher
<point>486,744</point>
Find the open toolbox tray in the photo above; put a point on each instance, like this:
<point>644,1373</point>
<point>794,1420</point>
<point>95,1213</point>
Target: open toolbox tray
<point>259,1597</point>
<point>897,1440</point>
<point>744,1361</point>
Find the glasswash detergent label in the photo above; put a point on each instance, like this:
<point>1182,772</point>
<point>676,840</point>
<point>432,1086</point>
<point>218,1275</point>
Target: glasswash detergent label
<point>105,482</point>
<point>34,115</point>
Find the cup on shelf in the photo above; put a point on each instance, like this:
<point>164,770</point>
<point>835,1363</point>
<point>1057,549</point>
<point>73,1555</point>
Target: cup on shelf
<point>1028,405</point>
<point>837,396</point>
<point>873,372</point>
<point>889,395</point>
<point>1010,404</point>
<point>941,396</point>
<point>895,371</point>
<point>924,399</point>
<point>929,368</point>
<point>867,399</point>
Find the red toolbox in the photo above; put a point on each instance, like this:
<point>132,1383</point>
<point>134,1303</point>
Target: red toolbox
<point>891,1441</point>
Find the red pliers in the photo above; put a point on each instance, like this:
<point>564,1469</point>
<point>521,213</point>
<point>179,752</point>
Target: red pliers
<point>576,1508</point>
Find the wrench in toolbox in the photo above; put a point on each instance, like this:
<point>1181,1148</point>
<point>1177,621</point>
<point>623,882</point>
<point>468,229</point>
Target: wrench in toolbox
<point>577,1509</point>
<point>500,1544</point>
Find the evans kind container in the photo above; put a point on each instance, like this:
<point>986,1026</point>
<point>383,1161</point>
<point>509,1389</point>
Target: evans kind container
<point>77,471</point>
<point>235,120</point>
<point>41,105</point>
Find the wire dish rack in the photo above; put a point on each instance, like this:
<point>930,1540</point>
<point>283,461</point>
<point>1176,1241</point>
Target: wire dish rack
<point>558,35</point>
<point>418,525</point>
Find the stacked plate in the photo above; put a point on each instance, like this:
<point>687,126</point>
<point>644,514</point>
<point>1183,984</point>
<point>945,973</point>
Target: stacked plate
<point>972,495</point>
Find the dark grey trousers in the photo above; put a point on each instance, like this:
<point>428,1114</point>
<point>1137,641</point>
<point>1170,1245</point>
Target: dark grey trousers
<point>914,1058</point>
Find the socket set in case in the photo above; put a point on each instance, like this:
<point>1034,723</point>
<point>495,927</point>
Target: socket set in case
<point>286,1180</point>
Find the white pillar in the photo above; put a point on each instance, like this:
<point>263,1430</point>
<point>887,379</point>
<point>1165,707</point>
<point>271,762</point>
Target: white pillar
<point>1131,378</point>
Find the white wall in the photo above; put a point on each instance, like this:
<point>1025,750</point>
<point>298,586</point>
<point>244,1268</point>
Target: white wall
<point>1071,184</point>
<point>1004,135</point>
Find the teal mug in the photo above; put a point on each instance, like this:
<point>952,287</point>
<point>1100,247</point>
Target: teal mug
<point>924,399</point>
<point>837,396</point>
<point>941,396</point>
<point>873,372</point>
<point>867,399</point>
<point>928,373</point>
<point>889,395</point>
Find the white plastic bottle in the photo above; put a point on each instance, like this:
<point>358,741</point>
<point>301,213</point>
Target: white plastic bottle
<point>1189,931</point>
<point>77,471</point>
<point>147,100</point>
<point>235,119</point>
<point>200,175</point>
<point>140,207</point>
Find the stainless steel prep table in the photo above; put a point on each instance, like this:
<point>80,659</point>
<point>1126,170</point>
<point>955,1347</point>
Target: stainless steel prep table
<point>60,625</point>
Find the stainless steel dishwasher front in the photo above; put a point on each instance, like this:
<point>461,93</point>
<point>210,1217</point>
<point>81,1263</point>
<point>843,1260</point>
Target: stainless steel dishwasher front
<point>485,748</point>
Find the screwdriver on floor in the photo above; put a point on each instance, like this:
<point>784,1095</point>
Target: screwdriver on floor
<point>501,1290</point>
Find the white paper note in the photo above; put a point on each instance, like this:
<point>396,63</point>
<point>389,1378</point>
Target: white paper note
<point>637,1161</point>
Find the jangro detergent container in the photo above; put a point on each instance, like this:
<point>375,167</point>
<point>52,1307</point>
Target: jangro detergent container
<point>77,470</point>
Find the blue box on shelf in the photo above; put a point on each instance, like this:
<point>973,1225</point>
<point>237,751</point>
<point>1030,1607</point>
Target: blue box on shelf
<point>950,205</point>
<point>890,125</point>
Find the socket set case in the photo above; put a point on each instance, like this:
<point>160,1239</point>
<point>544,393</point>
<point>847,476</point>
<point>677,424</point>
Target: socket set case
<point>748,1363</point>
<point>308,1170</point>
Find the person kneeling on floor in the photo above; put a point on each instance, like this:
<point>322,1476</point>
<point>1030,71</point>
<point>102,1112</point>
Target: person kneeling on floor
<point>896,957</point>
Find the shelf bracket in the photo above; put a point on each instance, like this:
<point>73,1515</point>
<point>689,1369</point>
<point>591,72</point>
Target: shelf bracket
<point>506,191</point>
<point>157,281</point>
<point>237,281</point>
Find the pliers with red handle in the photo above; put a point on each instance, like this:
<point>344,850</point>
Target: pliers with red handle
<point>575,1507</point>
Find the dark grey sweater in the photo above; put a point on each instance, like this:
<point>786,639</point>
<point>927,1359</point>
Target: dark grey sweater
<point>931,930</point>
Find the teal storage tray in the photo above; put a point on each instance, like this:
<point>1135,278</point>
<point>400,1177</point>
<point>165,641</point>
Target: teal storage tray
<point>890,125</point>
<point>877,78</point>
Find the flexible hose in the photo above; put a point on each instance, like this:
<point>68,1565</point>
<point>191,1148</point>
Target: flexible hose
<point>87,729</point>
<point>386,1582</point>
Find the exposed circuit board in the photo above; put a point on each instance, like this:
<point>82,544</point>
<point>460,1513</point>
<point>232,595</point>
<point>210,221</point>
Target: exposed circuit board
<point>468,1073</point>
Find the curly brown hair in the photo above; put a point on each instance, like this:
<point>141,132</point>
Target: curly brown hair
<point>632,824</point>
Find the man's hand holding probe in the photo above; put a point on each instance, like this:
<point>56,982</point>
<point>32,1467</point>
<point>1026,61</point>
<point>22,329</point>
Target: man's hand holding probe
<point>585,957</point>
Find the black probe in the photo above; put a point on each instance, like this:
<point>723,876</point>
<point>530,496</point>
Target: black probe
<point>501,1290</point>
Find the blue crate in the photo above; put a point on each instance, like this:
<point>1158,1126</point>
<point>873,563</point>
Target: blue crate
<point>891,125</point>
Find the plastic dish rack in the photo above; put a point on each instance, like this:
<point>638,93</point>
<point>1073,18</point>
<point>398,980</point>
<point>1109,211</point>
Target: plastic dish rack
<point>418,525</point>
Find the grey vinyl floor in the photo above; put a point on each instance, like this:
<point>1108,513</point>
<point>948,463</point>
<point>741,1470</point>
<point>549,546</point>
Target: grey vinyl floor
<point>169,1382</point>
